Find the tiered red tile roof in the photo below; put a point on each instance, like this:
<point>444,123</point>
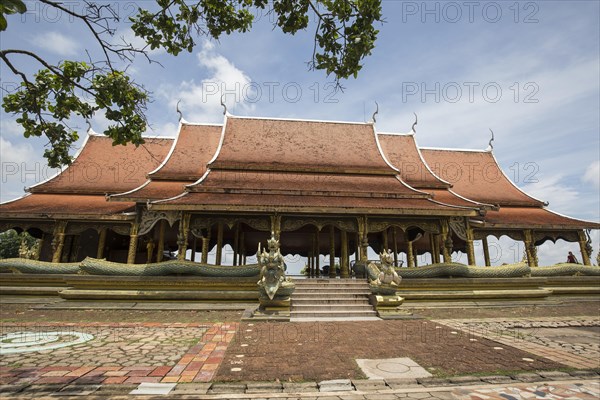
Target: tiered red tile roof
<point>98,169</point>
<point>291,165</point>
<point>193,148</point>
<point>278,165</point>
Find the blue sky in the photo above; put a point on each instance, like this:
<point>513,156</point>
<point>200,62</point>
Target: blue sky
<point>528,70</point>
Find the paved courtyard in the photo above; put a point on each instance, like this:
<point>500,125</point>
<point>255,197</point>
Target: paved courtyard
<point>477,358</point>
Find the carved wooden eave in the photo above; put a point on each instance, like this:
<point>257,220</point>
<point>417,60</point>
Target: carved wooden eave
<point>313,210</point>
<point>66,216</point>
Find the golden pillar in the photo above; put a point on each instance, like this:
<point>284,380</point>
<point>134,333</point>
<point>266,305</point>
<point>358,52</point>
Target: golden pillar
<point>432,247</point>
<point>530,248</point>
<point>395,239</point>
<point>101,243</point>
<point>182,237</point>
<point>344,262</point>
<point>276,225</point>
<point>585,257</point>
<point>486,251</point>
<point>332,271</point>
<point>446,241</point>
<point>58,240</point>
<point>317,252</point>
<point>384,239</point>
<point>436,243</point>
<point>150,250</point>
<point>133,239</point>
<point>194,245</point>
<point>38,250</point>
<point>161,240</point>
<point>219,255</point>
<point>363,232</point>
<point>205,244</point>
<point>236,243</point>
<point>470,250</point>
<point>409,252</point>
<point>242,249</point>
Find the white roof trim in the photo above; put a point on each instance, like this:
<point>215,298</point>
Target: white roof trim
<point>303,120</point>
<point>90,133</point>
<point>412,188</point>
<point>411,133</point>
<point>221,140</point>
<point>184,122</point>
<point>143,185</point>
<point>427,165</point>
<point>169,199</point>
<point>18,198</point>
<point>511,182</point>
<point>381,153</point>
<point>450,149</point>
<point>565,216</point>
<point>471,201</point>
<point>164,161</point>
<point>452,205</point>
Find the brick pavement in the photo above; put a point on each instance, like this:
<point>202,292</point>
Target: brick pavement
<point>322,350</point>
<point>122,354</point>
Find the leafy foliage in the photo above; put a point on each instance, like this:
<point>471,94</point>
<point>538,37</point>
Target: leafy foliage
<point>8,7</point>
<point>46,102</point>
<point>10,243</point>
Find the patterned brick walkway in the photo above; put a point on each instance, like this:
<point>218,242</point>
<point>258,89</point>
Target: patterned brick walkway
<point>121,353</point>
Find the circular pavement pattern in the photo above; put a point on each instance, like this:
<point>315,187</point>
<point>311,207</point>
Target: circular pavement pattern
<point>26,342</point>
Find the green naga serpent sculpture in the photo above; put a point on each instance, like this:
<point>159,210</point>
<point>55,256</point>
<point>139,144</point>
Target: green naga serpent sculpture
<point>93,266</point>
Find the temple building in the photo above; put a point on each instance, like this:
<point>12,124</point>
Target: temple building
<point>321,187</point>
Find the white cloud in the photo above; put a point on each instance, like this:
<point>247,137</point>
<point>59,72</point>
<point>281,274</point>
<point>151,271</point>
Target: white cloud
<point>10,127</point>
<point>58,43</point>
<point>15,153</point>
<point>201,102</point>
<point>562,198</point>
<point>592,174</point>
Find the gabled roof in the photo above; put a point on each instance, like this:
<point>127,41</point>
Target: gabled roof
<point>49,205</point>
<point>477,176</point>
<point>402,152</point>
<point>302,165</point>
<point>533,218</point>
<point>193,148</point>
<point>186,162</point>
<point>102,168</point>
<point>297,145</point>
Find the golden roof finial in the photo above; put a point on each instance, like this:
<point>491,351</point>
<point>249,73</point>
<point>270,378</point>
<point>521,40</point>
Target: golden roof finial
<point>414,125</point>
<point>178,110</point>
<point>373,120</point>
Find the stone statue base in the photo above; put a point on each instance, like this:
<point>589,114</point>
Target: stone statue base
<point>388,306</point>
<point>277,309</point>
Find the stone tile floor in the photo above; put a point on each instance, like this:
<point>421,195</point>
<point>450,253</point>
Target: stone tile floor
<point>587,390</point>
<point>574,342</point>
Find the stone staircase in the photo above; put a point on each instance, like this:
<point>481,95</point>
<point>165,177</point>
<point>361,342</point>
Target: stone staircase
<point>331,299</point>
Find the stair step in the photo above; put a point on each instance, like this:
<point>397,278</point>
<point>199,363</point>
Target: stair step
<point>332,290</point>
<point>329,300</point>
<point>332,307</point>
<point>304,314</point>
<point>329,295</point>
